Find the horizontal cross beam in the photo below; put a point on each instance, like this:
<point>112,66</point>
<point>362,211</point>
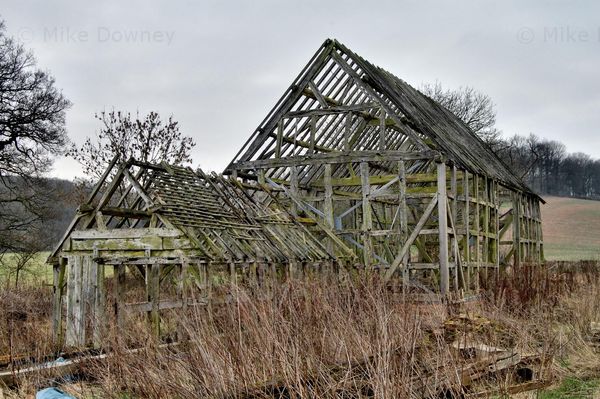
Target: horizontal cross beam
<point>336,158</point>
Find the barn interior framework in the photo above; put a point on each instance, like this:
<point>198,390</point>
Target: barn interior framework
<point>353,169</point>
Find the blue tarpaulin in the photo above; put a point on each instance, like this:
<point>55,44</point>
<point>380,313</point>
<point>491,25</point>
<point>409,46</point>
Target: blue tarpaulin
<point>52,393</point>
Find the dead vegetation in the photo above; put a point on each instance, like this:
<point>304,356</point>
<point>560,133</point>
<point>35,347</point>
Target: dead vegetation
<point>354,339</point>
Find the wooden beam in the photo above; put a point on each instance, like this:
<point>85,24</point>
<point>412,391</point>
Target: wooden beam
<point>336,157</point>
<point>467,226</point>
<point>138,187</point>
<point>380,179</point>
<point>332,110</point>
<point>124,212</point>
<point>100,182</point>
<point>328,200</point>
<point>58,291</point>
<point>517,229</point>
<point>119,295</point>
<point>382,130</point>
<point>294,189</point>
<point>453,213</point>
<point>125,233</point>
<point>477,232</point>
<point>413,236</point>
<point>347,132</point>
<point>279,141</point>
<point>375,96</point>
<point>317,94</point>
<point>403,212</point>
<point>367,223</point>
<point>443,230</point>
<point>313,135</point>
<point>153,295</point>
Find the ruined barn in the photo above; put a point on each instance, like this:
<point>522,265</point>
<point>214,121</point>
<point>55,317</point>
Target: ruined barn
<point>396,176</point>
<point>353,169</point>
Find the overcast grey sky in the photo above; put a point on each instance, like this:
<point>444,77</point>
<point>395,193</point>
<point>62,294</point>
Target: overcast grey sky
<point>219,66</point>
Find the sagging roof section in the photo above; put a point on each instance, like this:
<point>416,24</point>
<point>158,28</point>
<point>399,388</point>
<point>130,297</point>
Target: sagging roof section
<point>214,212</point>
<point>337,80</point>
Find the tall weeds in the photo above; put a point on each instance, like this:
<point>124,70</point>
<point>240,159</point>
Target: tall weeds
<point>323,339</point>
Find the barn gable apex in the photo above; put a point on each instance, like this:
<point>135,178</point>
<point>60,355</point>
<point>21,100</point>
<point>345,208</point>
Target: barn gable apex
<point>341,103</point>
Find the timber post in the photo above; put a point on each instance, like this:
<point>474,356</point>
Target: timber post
<point>442,199</point>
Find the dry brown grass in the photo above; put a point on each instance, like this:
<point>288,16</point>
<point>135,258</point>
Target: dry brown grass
<point>347,340</point>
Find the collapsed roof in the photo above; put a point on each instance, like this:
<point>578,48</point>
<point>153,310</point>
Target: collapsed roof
<point>217,214</point>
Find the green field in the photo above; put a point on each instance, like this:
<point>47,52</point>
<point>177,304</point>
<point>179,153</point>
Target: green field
<point>35,271</point>
<point>571,229</point>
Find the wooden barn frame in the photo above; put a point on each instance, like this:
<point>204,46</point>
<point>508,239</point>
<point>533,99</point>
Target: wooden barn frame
<point>399,178</point>
<point>174,228</point>
<point>352,169</point>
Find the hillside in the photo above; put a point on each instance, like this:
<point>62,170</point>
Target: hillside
<point>571,228</point>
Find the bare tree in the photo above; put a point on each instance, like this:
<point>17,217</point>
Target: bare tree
<point>474,108</point>
<point>145,138</point>
<point>32,131</point>
<point>24,259</point>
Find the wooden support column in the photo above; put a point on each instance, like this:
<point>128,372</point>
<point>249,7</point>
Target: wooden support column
<point>539,236</point>
<point>478,230</point>
<point>119,294</point>
<point>75,334</point>
<point>182,282</point>
<point>279,139</point>
<point>530,242</point>
<point>453,224</point>
<point>294,189</point>
<point>181,290</point>
<point>467,226</point>
<point>486,224</point>
<point>367,224</point>
<point>204,282</point>
<point>382,130</point>
<point>347,131</point>
<point>232,272</point>
<point>443,229</point>
<point>253,273</point>
<point>313,134</point>
<point>58,283</point>
<point>328,203</point>
<point>153,296</point>
<point>497,225</point>
<point>403,213</point>
<point>517,229</point>
<point>99,302</point>
<point>291,269</point>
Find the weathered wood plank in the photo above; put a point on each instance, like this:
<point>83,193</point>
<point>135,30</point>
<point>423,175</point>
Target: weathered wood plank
<point>123,244</point>
<point>336,157</point>
<point>367,222</point>
<point>411,239</point>
<point>125,233</point>
<point>443,230</point>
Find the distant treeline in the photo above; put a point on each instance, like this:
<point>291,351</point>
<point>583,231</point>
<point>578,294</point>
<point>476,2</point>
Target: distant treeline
<point>547,167</point>
<point>36,211</point>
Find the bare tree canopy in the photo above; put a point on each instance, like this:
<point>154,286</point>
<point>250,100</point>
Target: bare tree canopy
<point>32,131</point>
<point>146,138</point>
<point>475,109</point>
<point>32,112</point>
